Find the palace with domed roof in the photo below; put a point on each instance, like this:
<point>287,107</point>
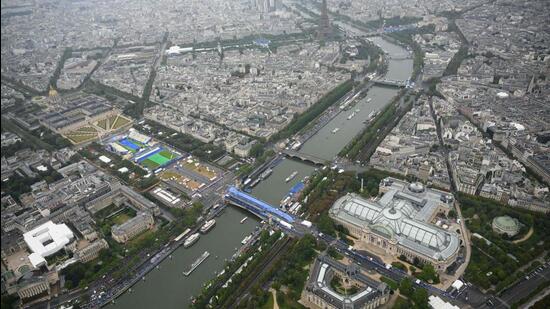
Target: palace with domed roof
<point>399,222</point>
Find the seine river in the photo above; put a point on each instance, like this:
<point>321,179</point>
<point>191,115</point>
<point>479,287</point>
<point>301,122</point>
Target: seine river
<point>169,287</point>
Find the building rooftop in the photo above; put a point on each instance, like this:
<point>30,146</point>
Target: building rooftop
<point>46,240</point>
<point>506,224</point>
<point>325,268</point>
<point>401,215</point>
<point>131,223</point>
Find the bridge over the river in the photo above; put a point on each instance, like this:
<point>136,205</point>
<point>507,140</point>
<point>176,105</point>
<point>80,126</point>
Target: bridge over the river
<point>256,206</point>
<point>390,82</point>
<point>305,157</point>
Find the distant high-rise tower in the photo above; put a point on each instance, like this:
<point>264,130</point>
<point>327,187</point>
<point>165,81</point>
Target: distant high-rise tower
<point>324,30</point>
<point>266,6</point>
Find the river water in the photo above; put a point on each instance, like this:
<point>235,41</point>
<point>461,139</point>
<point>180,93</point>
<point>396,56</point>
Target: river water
<point>168,288</point>
<point>326,144</point>
<point>400,65</point>
<point>274,188</point>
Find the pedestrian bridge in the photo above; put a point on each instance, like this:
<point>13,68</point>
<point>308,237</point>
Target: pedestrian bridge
<point>400,57</point>
<point>390,82</point>
<point>304,157</point>
<point>256,206</point>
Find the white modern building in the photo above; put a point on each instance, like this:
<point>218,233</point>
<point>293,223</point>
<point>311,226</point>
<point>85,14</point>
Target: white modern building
<point>45,240</point>
<point>437,303</point>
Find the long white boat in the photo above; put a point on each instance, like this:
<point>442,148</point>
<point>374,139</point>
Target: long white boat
<point>196,264</point>
<point>371,116</point>
<point>180,236</point>
<point>208,225</point>
<point>246,239</point>
<point>255,182</point>
<point>191,240</point>
<point>266,173</point>
<point>289,178</point>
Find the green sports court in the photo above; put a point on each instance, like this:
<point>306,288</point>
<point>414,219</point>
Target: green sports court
<point>157,159</point>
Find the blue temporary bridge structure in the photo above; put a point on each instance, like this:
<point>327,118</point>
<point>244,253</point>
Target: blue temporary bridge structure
<point>255,205</point>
